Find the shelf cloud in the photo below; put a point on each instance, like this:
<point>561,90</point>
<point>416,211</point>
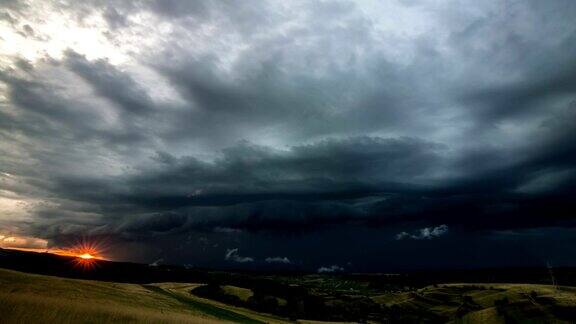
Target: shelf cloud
<point>180,129</point>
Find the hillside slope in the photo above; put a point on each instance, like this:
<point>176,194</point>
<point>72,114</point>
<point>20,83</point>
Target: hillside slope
<point>488,303</point>
<point>455,303</point>
<point>29,298</point>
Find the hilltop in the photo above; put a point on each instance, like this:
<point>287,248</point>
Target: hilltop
<point>131,292</point>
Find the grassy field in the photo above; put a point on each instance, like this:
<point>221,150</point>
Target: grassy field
<point>183,291</point>
<point>445,303</point>
<point>489,303</point>
<point>242,293</point>
<point>28,298</point>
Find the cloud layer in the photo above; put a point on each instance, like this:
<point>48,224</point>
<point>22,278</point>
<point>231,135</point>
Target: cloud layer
<point>184,130</point>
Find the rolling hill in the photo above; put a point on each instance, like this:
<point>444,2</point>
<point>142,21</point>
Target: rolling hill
<point>30,298</point>
<point>138,293</point>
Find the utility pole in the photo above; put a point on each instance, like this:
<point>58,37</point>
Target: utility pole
<point>552,276</point>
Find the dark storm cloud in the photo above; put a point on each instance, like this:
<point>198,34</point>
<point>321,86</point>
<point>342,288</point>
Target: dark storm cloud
<point>354,181</point>
<point>338,89</point>
<point>257,188</point>
<point>44,99</point>
<point>110,83</point>
<point>53,130</point>
<point>210,125</point>
<point>330,166</point>
<point>527,98</point>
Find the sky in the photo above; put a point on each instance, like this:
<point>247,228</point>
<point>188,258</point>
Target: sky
<point>309,135</point>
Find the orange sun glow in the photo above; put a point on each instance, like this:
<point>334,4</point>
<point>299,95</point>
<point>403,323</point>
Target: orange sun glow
<point>86,256</point>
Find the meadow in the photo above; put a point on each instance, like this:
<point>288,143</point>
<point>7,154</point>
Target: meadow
<point>31,298</point>
<point>252,298</point>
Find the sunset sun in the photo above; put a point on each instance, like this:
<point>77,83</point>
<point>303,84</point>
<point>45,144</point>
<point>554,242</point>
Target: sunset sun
<point>87,253</point>
<point>86,261</point>
<point>86,256</point>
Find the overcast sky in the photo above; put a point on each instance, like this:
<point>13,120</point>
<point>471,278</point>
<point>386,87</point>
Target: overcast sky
<point>330,135</point>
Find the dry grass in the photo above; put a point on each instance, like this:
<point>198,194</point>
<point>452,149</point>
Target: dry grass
<point>521,306</point>
<point>26,298</point>
<point>242,293</point>
<point>25,308</point>
<point>183,291</point>
<point>488,315</point>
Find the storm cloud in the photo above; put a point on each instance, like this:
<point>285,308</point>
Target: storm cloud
<point>192,130</point>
